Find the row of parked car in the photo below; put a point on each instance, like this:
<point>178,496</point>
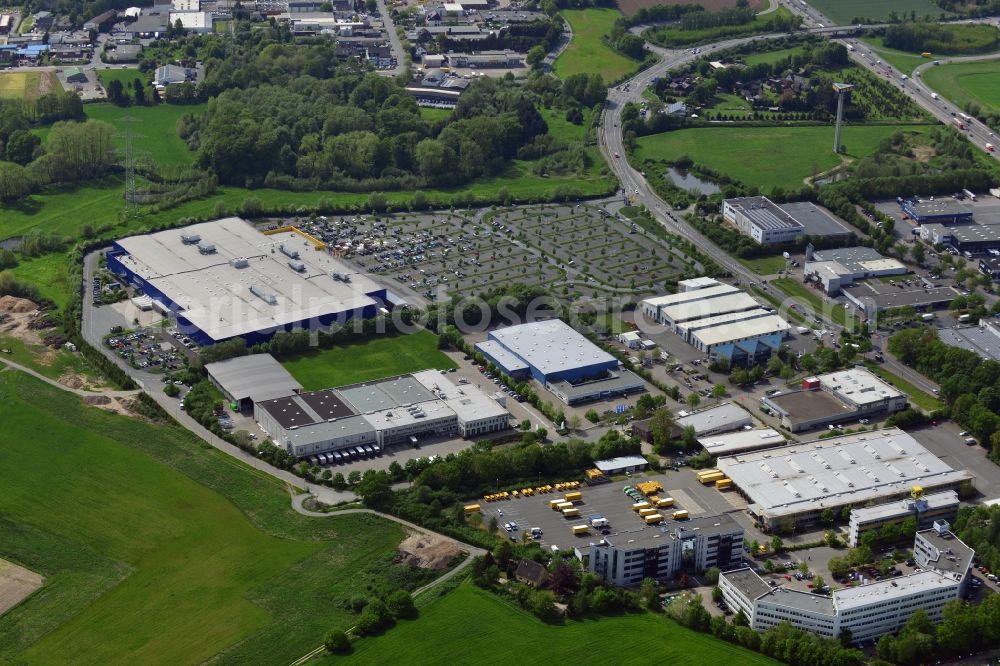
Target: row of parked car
<point>346,455</point>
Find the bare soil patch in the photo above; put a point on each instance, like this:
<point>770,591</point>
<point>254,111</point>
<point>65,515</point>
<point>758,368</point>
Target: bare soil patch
<point>426,552</point>
<point>16,584</point>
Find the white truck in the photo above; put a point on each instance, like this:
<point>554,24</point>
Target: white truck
<point>935,96</point>
<point>803,330</point>
<point>598,521</point>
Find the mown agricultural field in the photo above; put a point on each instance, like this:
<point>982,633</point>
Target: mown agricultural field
<point>843,12</point>
<point>159,550</point>
<point>977,82</point>
<point>379,357</point>
<point>588,53</point>
<point>472,626</point>
<point>764,156</point>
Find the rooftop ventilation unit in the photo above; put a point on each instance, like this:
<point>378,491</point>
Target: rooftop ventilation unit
<point>264,295</point>
<point>239,262</point>
<point>190,239</point>
<point>206,248</point>
<point>296,265</point>
<point>288,252</point>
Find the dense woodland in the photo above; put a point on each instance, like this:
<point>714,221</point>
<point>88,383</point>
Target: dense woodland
<point>920,36</point>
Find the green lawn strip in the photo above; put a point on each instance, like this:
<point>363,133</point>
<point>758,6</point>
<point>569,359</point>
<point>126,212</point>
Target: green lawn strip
<point>901,60</point>
<point>967,82</point>
<point>373,359</point>
<point>843,12</point>
<point>811,297</point>
<point>765,265</point>
<point>587,53</point>
<point>770,57</point>
<point>451,630</point>
<point>794,152</point>
<point>154,130</point>
<point>203,534</point>
<point>777,305</point>
<point>431,113</point>
<point>921,399</point>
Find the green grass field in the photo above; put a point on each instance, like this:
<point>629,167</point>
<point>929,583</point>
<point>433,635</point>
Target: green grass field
<point>793,153</point>
<point>901,60</point>
<point>157,549</point>
<point>430,113</point>
<point>51,363</point>
<point>587,53</point>
<point>812,298</point>
<point>473,626</point>
<point>126,76</point>
<point>674,36</point>
<point>27,85</point>
<point>374,359</point>
<point>962,83</point>
<point>843,12</point>
<point>770,57</point>
<point>155,132</point>
<point>765,265</point>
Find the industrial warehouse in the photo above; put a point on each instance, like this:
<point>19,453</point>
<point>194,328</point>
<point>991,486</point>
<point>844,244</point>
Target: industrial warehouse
<point>982,339</point>
<point>768,223</point>
<point>560,359</point>
<point>374,415</point>
<point>791,486</point>
<point>835,269</point>
<point>869,610</point>
<point>837,397</point>
<point>720,320</point>
<point>225,279</point>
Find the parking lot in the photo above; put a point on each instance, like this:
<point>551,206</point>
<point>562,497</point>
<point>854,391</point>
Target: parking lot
<point>145,349</point>
<point>576,250</point>
<point>608,501</point>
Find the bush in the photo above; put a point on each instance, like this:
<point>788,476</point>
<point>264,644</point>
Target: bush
<point>171,390</point>
<point>337,642</point>
<point>401,605</point>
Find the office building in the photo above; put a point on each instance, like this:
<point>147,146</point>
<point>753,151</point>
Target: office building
<point>867,611</point>
<point>662,552</point>
<point>924,508</point>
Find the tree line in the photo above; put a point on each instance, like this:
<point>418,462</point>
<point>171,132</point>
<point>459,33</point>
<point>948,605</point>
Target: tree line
<point>360,132</point>
<point>970,385</point>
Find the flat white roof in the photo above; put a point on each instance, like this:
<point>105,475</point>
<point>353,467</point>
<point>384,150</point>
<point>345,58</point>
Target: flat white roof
<point>509,361</point>
<point>551,346</point>
<point>467,401</point>
<point>617,463</point>
<point>729,317</point>
<point>852,469</point>
<point>686,296</point>
<point>697,283</point>
<point>216,297</point>
<point>742,440</point>
<point>859,385</point>
<point>903,507</point>
<point>397,417</point>
<point>192,20</point>
<point>724,333</point>
<point>700,309</point>
<point>889,589</point>
<point>726,415</point>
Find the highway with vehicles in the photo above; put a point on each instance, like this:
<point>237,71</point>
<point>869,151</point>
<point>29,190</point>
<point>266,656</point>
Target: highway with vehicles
<point>633,183</point>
